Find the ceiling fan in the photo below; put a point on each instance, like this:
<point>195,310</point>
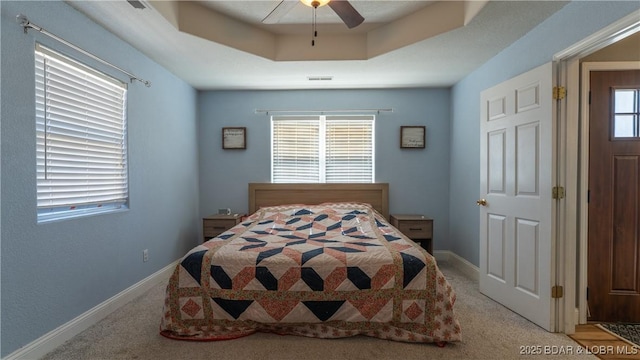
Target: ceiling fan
<point>349,15</point>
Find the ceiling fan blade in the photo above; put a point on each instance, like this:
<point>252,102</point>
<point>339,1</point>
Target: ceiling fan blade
<point>347,13</point>
<point>279,11</point>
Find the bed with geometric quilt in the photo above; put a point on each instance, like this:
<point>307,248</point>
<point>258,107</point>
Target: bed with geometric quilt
<point>329,271</point>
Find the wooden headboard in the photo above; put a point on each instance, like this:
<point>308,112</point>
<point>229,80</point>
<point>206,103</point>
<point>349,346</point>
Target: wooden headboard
<point>268,194</point>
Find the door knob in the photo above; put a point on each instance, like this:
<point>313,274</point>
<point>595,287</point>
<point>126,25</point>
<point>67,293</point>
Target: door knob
<point>481,202</point>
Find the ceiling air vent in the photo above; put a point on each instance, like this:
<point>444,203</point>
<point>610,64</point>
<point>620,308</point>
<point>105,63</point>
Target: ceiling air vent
<point>138,4</point>
<point>320,78</point>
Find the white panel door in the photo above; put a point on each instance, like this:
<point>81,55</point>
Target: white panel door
<point>516,170</point>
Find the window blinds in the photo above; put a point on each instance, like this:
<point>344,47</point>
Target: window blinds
<point>81,136</point>
<point>318,149</point>
<point>349,149</point>
<point>295,150</point>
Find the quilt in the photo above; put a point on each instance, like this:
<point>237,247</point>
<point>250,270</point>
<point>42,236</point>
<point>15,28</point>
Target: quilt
<point>328,271</point>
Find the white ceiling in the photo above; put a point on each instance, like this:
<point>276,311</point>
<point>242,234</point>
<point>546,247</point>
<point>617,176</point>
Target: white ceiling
<point>437,60</point>
<point>376,12</point>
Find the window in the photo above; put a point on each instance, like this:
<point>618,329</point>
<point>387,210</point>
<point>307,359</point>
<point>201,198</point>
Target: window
<point>81,154</point>
<point>626,117</point>
<point>322,149</point>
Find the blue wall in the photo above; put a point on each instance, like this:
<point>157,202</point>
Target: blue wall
<point>418,179</point>
<point>53,272</point>
<point>572,23</point>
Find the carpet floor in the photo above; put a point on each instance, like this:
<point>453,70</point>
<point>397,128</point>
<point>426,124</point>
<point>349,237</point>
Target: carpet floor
<point>489,331</point>
<point>630,332</point>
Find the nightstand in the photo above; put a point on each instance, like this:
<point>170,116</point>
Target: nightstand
<point>417,228</point>
<point>214,225</point>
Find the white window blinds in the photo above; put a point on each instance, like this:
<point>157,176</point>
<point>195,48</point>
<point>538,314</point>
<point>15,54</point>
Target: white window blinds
<point>349,149</point>
<point>81,138</point>
<point>319,149</point>
<point>295,150</point>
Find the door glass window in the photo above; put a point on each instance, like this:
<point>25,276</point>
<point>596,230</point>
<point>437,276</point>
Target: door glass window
<point>626,113</point>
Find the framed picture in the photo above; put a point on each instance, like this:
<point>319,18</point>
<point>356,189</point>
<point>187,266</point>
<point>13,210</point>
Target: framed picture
<point>412,137</point>
<point>234,137</point>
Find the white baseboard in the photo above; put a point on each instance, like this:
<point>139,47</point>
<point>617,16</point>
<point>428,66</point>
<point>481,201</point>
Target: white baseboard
<point>53,339</point>
<point>459,262</point>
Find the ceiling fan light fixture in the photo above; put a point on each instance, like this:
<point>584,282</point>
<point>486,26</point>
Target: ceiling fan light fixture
<point>315,3</point>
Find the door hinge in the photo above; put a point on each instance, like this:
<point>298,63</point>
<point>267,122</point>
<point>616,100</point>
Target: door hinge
<point>559,92</point>
<point>558,192</point>
<point>557,292</point>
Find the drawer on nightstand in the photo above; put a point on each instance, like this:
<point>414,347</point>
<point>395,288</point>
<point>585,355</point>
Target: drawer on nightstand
<point>416,229</point>
<point>215,227</point>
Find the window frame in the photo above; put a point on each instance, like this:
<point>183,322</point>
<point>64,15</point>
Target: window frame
<point>73,128</point>
<point>323,140</point>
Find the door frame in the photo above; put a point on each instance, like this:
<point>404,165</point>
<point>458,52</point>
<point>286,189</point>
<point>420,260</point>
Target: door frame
<point>572,163</point>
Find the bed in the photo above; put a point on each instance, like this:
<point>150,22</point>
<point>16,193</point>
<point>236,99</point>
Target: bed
<point>317,260</point>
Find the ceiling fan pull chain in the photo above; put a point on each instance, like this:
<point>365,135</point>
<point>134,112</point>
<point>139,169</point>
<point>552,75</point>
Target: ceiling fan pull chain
<point>313,28</point>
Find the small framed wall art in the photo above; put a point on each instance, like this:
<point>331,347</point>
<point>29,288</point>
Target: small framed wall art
<point>234,137</point>
<point>412,137</point>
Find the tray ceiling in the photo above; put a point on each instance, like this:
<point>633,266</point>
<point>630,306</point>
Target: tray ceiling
<point>223,44</point>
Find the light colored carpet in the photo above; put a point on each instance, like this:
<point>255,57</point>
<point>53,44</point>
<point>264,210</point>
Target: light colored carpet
<point>489,331</point>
